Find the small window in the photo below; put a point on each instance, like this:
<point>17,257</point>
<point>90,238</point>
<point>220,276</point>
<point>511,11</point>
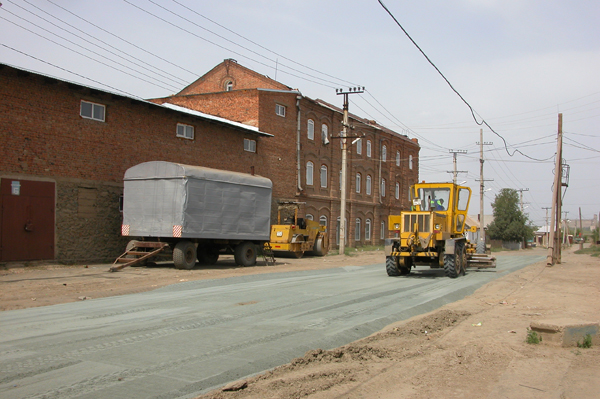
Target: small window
<point>280,110</point>
<point>382,231</point>
<point>368,185</point>
<point>384,154</point>
<point>358,182</point>
<point>368,230</point>
<point>410,162</point>
<point>397,190</point>
<point>323,220</point>
<point>249,145</point>
<point>323,176</point>
<point>309,173</point>
<point>359,147</point>
<point>309,217</point>
<point>369,148</point>
<point>229,85</point>
<point>185,131</point>
<point>310,129</point>
<point>92,111</point>
<point>357,230</point>
<point>397,158</point>
<point>383,187</point>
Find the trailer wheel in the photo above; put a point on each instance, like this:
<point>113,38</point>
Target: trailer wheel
<point>184,255</point>
<point>391,266</point>
<point>245,254</point>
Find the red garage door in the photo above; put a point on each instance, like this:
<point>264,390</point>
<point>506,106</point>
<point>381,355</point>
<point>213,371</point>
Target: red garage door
<point>26,220</point>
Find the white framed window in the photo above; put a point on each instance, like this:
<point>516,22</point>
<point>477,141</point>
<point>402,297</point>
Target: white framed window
<point>397,158</point>
<point>410,162</point>
<point>323,220</point>
<point>249,145</point>
<point>310,129</point>
<point>383,187</point>
<point>384,153</point>
<point>369,148</point>
<point>228,85</point>
<point>309,217</point>
<point>368,185</point>
<point>93,111</point>
<point>368,230</point>
<point>357,230</point>
<point>325,134</point>
<point>280,110</point>
<point>397,190</point>
<point>185,131</point>
<point>382,230</point>
<point>323,175</point>
<point>359,147</point>
<point>358,182</point>
<point>309,173</point>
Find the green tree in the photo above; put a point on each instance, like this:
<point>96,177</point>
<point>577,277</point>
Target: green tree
<point>510,224</point>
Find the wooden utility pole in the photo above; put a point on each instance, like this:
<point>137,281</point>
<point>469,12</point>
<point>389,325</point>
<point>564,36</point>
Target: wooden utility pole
<point>344,137</point>
<point>554,247</point>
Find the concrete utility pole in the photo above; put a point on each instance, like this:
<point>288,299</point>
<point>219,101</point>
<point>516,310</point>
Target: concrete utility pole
<point>481,242</point>
<point>343,137</point>
<point>456,172</point>
<point>547,228</point>
<point>554,249</point>
<point>521,195</point>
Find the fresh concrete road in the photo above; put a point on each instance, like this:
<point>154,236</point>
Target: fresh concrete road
<point>181,340</point>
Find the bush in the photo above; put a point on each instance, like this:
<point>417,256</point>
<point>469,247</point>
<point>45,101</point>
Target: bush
<point>533,337</point>
<point>587,342</point>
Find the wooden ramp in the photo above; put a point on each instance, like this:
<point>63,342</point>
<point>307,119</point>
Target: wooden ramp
<point>139,252</point>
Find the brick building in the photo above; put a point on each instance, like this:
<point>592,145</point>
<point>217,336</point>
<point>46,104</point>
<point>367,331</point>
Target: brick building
<point>65,148</point>
<point>304,157</point>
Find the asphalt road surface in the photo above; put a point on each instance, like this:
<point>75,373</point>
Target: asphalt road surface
<point>182,340</point>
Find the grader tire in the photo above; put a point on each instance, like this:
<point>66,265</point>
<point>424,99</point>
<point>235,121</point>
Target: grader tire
<point>405,265</point>
<point>391,266</point>
<point>450,266</point>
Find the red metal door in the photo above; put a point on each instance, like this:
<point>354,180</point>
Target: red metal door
<point>26,220</point>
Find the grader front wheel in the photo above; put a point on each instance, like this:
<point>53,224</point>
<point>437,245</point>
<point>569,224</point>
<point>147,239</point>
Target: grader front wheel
<point>391,266</point>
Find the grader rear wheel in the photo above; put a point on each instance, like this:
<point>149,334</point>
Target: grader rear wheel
<point>391,266</point>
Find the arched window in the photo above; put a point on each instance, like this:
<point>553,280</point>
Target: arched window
<point>228,85</point>
<point>357,230</point>
<point>368,230</point>
<point>309,173</point>
<point>397,158</point>
<point>369,148</point>
<point>358,182</point>
<point>368,185</point>
<point>383,187</point>
<point>309,217</point>
<point>359,146</point>
<point>397,190</point>
<point>324,134</point>
<point>310,128</point>
<point>323,220</point>
<point>384,153</point>
<point>323,175</point>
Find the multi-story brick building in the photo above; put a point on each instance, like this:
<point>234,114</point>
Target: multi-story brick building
<point>304,157</point>
<point>64,149</point>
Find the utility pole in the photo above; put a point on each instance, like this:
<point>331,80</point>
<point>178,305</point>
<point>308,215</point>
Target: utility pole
<point>580,230</point>
<point>565,240</point>
<point>344,136</point>
<point>554,250</point>
<point>456,172</point>
<point>521,194</point>
<point>481,242</point>
<point>547,228</point>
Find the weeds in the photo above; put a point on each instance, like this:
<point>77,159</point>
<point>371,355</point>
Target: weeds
<point>593,251</point>
<point>533,337</point>
<point>587,342</point>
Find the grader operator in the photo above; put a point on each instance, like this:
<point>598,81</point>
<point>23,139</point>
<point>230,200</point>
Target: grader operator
<point>432,232</point>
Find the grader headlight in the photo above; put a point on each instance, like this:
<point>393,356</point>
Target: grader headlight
<point>396,226</point>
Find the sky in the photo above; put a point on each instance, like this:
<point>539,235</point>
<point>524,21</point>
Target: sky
<point>516,64</point>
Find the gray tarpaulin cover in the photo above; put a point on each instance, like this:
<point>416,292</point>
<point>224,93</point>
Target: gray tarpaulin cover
<point>206,203</point>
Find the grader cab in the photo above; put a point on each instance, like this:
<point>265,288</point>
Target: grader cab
<point>432,232</point>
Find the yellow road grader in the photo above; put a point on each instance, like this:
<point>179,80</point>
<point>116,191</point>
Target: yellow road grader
<point>433,232</point>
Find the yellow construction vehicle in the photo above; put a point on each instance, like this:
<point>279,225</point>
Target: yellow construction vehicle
<point>432,232</point>
<point>296,236</point>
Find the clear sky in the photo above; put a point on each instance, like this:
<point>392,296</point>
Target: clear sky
<point>518,63</point>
